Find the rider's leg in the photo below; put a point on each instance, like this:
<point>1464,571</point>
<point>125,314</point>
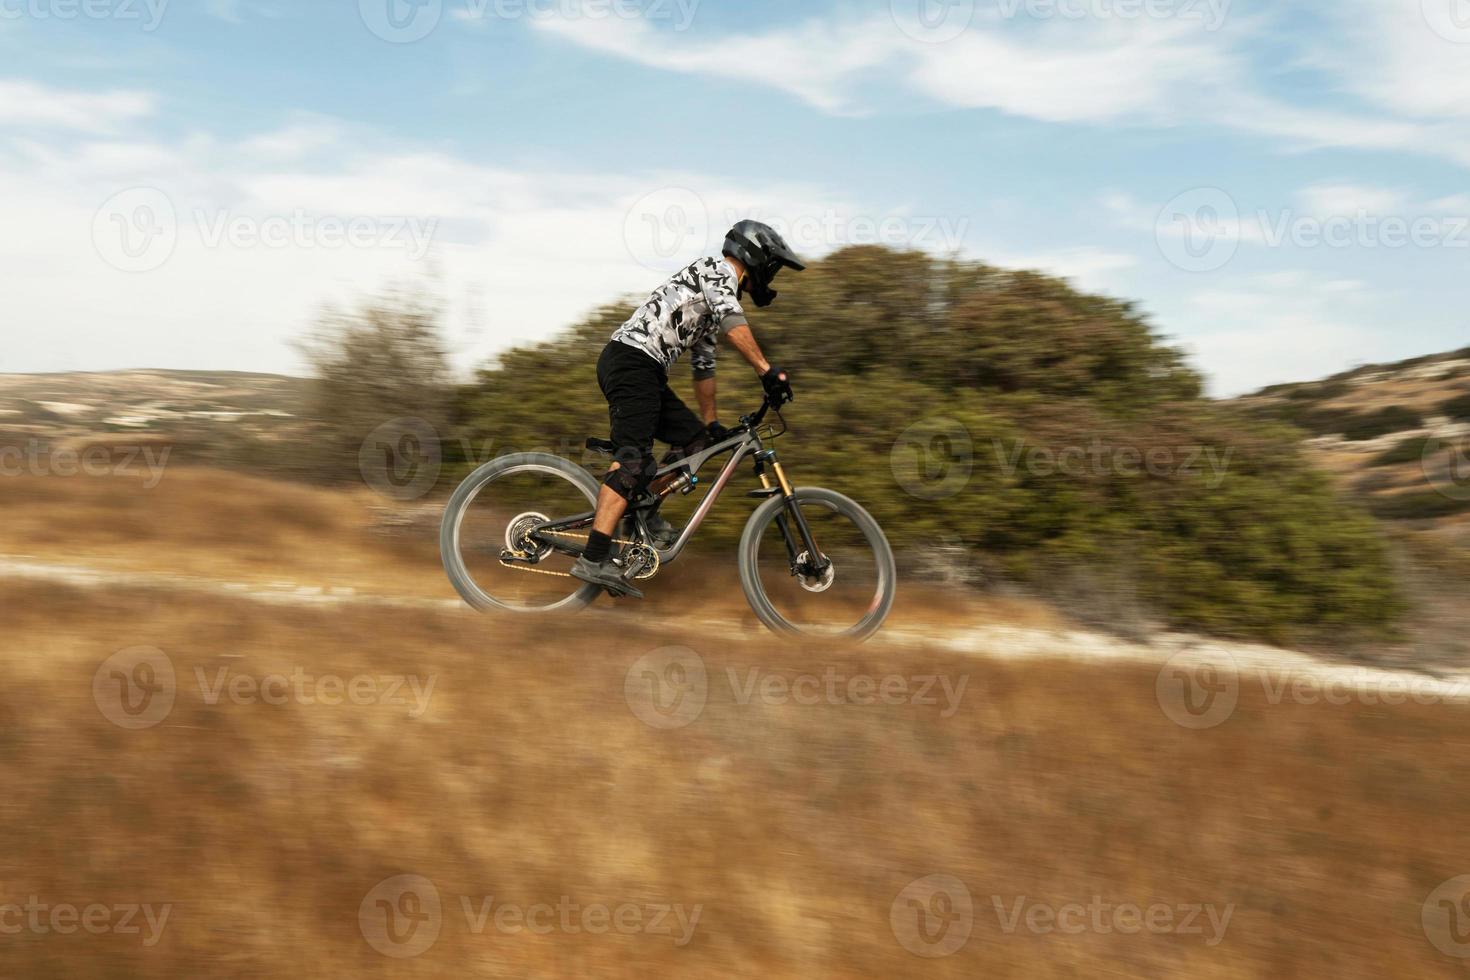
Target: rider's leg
<point>631,382</point>
<point>610,509</point>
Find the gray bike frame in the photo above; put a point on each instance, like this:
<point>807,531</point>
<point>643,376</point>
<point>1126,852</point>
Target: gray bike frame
<point>744,445</point>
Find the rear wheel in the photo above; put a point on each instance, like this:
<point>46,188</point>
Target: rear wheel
<point>493,511</point>
<point>849,596</point>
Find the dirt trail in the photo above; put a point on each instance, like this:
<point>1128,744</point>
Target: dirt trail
<point>1000,642</point>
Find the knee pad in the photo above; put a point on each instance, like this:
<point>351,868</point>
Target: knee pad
<point>631,478</point>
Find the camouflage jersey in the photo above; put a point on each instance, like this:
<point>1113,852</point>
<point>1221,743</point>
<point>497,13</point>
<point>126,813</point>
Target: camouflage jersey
<point>697,304</point>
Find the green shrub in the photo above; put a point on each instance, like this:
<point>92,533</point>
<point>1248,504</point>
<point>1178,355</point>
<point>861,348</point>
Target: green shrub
<point>1457,408</point>
<point>1411,450</point>
<point>1424,505</point>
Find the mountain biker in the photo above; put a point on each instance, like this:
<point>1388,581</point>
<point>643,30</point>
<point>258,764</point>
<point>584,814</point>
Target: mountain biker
<point>697,304</point>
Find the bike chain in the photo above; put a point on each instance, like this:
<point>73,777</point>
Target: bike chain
<point>543,571</point>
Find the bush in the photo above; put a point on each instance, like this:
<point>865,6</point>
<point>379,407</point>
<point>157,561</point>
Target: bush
<point>382,362</point>
<point>1409,451</point>
<point>1421,506</point>
<point>1457,408</point>
<point>910,370</point>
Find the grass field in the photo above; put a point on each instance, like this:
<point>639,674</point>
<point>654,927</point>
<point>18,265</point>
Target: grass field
<point>319,791</point>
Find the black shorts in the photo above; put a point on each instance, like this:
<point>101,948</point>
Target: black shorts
<point>641,405</point>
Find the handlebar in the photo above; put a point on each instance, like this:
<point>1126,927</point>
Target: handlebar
<point>748,423</point>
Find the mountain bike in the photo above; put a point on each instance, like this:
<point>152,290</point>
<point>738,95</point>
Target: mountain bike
<point>810,560</point>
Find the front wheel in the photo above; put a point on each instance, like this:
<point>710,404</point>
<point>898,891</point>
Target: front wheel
<point>851,596</point>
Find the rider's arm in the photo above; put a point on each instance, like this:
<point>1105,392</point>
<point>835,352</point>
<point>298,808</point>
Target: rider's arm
<point>744,342</point>
<point>704,390</point>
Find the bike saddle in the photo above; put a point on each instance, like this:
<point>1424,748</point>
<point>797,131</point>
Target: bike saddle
<point>605,446</point>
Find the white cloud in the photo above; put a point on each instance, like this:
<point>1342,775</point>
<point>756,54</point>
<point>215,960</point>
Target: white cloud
<point>1159,72</point>
<point>814,62</point>
<point>1090,268</point>
<point>29,104</point>
<point>1286,326</point>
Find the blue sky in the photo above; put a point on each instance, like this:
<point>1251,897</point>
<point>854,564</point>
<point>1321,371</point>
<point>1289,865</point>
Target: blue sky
<point>1282,187</point>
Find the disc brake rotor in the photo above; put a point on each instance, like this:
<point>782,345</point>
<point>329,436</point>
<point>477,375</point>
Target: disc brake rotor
<point>816,583</point>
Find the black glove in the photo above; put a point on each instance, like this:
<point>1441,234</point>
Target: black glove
<point>778,387</point>
<point>717,433</point>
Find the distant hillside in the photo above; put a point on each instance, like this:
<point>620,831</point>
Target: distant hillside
<point>218,416</point>
<point>1392,434</point>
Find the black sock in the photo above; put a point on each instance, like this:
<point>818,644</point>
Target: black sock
<point>599,546</point>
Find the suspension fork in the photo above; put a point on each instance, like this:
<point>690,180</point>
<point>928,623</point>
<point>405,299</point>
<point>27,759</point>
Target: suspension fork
<point>816,561</point>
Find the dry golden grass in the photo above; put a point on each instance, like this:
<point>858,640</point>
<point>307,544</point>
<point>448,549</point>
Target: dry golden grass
<point>530,777</point>
<point>794,826</point>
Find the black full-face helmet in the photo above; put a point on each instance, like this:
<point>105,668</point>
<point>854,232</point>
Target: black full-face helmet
<point>763,252</point>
